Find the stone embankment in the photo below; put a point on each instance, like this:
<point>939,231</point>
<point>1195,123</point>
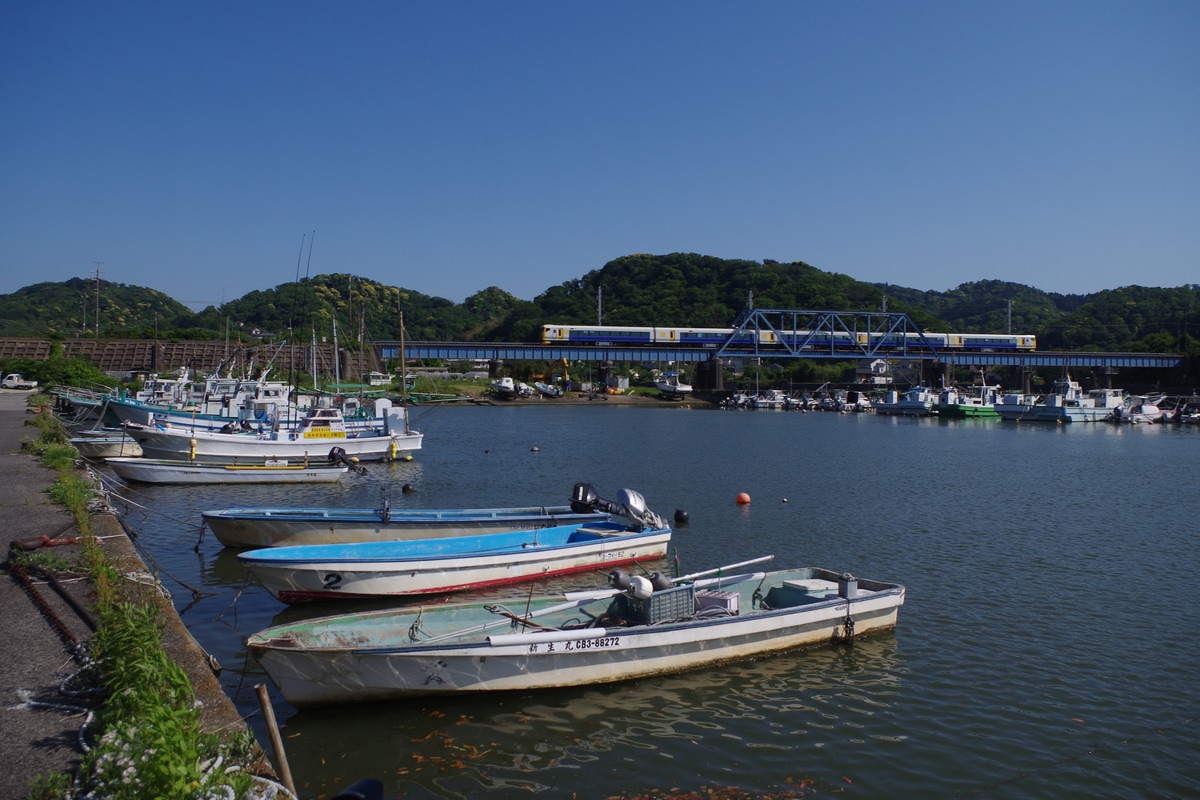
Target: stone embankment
<point>43,626</point>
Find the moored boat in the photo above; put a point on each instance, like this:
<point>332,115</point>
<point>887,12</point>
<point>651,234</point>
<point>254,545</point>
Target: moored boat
<point>284,526</point>
<point>150,470</point>
<point>647,628</point>
<point>110,444</point>
<point>388,439</point>
<point>953,402</point>
<point>361,570</point>
<point>1066,403</point>
<point>1138,410</point>
<point>916,402</point>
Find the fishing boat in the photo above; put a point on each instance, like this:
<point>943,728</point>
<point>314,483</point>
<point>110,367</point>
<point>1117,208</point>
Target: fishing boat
<point>387,439</point>
<point>288,526</point>
<point>1138,410</point>
<point>209,404</point>
<point>547,390</point>
<point>151,470</point>
<point>772,398</point>
<point>918,401</point>
<point>98,444</point>
<point>504,388</point>
<point>953,402</point>
<point>672,386</point>
<point>638,627</point>
<point>1066,403</point>
<point>363,570</point>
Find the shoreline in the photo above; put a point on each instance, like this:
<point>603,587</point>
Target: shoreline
<point>48,623</point>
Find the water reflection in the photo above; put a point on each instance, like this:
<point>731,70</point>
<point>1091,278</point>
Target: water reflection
<point>642,735</point>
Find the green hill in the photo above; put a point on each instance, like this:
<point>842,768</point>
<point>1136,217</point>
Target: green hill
<point>640,289</point>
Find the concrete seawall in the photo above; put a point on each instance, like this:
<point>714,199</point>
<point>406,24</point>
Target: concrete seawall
<point>42,626</point>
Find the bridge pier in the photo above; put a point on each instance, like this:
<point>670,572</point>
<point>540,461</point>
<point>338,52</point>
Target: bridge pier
<point>710,377</point>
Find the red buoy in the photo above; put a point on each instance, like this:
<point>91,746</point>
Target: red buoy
<point>743,499</point>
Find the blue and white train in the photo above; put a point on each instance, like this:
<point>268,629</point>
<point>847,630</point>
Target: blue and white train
<point>619,336</point>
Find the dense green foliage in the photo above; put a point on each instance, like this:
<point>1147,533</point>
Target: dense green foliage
<point>673,289</point>
<point>60,310</point>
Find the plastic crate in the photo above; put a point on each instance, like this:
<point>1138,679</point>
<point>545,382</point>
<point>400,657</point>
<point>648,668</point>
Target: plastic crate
<point>662,606</point>
<point>714,598</point>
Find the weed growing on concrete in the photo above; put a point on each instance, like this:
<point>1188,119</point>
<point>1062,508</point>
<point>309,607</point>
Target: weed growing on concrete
<point>150,743</point>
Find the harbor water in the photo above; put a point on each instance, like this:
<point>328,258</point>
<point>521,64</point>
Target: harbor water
<point>1048,645</point>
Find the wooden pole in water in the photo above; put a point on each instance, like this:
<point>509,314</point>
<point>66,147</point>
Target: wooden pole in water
<point>264,702</point>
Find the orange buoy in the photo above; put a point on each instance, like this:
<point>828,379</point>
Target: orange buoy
<point>743,499</point>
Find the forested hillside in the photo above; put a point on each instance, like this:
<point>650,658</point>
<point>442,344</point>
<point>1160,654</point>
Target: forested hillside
<point>673,289</point>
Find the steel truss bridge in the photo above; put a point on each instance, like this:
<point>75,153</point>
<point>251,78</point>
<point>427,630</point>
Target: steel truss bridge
<point>893,337</point>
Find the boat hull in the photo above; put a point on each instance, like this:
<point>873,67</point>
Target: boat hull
<point>144,470</point>
<point>230,448</point>
<point>961,411</point>
<point>95,448</point>
<point>279,527</point>
<point>370,657</point>
<point>431,566</point>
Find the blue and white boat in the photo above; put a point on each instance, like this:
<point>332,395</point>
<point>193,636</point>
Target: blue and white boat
<point>283,526</point>
<point>578,639</point>
<point>363,570</point>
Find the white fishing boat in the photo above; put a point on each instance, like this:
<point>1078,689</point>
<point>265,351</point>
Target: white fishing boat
<point>287,526</point>
<point>504,388</point>
<point>671,385</point>
<point>388,439</point>
<point>638,628</point>
<point>210,405</point>
<point>918,401</point>
<point>1138,410</point>
<point>150,470</point>
<point>1066,403</point>
<point>772,398</point>
<point>365,570</point>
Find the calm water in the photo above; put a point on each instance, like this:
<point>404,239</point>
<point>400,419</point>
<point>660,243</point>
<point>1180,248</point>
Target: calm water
<point>1048,646</point>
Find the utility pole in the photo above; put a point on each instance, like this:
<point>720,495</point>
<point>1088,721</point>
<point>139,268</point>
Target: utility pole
<point>97,263</point>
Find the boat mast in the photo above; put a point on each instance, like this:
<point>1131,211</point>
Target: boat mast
<point>337,370</point>
<point>403,374</point>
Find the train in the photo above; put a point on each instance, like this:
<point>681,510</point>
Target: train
<point>634,336</point>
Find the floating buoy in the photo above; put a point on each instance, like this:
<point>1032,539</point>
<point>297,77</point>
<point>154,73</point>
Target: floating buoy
<point>535,449</point>
<point>743,499</point>
<point>681,517</point>
<point>659,581</point>
<point>785,499</point>
<point>408,488</point>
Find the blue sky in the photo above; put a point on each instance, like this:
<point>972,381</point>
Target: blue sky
<point>448,147</point>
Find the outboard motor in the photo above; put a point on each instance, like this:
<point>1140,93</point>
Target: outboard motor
<point>338,456</point>
<point>634,506</point>
<point>629,504</point>
<point>583,498</point>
